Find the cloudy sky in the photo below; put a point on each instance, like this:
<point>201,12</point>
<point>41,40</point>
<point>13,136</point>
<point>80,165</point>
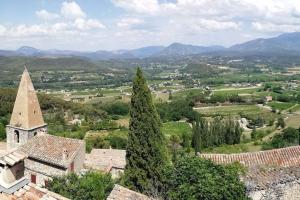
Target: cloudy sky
<point>125,24</point>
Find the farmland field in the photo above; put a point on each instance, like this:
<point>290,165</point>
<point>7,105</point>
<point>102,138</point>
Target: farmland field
<point>280,105</point>
<point>230,110</point>
<point>176,128</point>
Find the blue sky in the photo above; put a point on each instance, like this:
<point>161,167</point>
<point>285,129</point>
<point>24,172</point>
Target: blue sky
<point>90,25</point>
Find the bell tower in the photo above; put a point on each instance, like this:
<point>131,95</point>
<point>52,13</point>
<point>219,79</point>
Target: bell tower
<point>26,119</point>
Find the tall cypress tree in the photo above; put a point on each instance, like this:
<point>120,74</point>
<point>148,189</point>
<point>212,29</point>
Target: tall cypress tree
<point>145,153</point>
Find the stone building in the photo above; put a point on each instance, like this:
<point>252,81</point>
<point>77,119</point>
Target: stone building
<point>271,175</point>
<point>47,155</point>
<point>106,160</point>
<point>26,119</point>
<point>50,156</point>
<point>13,184</point>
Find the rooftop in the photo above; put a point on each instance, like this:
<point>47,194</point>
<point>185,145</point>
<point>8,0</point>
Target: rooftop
<point>32,192</point>
<point>122,193</point>
<point>285,157</point>
<point>27,113</point>
<point>105,159</point>
<point>50,149</point>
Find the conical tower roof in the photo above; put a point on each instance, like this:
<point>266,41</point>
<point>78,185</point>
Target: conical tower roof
<point>27,113</point>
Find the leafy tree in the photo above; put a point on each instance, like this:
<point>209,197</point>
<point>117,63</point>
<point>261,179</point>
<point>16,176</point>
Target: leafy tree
<point>195,178</point>
<point>280,122</point>
<point>92,185</point>
<point>2,131</point>
<point>117,108</point>
<point>145,153</point>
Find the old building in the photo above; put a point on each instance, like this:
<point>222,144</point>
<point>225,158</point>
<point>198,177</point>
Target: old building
<point>13,184</point>
<point>47,155</point>
<point>122,193</point>
<point>106,160</point>
<point>271,175</point>
<point>26,119</point>
<point>50,156</point>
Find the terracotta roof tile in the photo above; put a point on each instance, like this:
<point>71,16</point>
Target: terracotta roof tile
<point>32,192</point>
<point>122,193</point>
<point>49,148</point>
<point>105,159</point>
<point>285,157</point>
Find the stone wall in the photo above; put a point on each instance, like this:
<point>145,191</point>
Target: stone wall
<point>42,171</point>
<point>78,159</point>
<point>282,191</point>
<point>24,135</point>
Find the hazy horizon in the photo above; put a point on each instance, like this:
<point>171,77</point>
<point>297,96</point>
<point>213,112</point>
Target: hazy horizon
<point>118,24</point>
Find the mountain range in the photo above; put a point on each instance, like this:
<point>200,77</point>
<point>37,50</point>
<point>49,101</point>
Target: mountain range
<point>284,43</point>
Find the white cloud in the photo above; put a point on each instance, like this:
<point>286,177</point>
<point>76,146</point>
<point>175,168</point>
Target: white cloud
<point>128,22</point>
<point>71,10</point>
<point>268,27</point>
<point>140,6</point>
<point>2,29</point>
<point>83,24</point>
<point>214,25</point>
<point>45,15</point>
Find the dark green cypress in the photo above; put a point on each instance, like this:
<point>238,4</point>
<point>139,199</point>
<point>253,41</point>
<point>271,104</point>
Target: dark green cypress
<point>196,140</point>
<point>145,153</point>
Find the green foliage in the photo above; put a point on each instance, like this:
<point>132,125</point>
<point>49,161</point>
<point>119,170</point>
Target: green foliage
<point>289,137</point>
<point>145,153</point>
<point>116,139</point>
<point>2,132</point>
<point>280,122</point>
<point>216,133</point>
<point>176,110</point>
<point>92,186</point>
<point>194,178</point>
<point>117,108</point>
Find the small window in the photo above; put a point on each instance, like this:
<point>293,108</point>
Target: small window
<point>17,136</point>
<point>35,133</point>
<point>33,178</point>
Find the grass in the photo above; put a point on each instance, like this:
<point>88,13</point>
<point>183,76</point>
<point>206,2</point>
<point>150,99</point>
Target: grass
<point>296,108</point>
<point>237,148</point>
<point>280,105</point>
<point>184,93</point>
<point>176,128</point>
<point>293,121</point>
<point>235,91</point>
<point>230,110</point>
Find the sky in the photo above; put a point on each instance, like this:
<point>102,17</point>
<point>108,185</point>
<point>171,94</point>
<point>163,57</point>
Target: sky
<point>89,25</point>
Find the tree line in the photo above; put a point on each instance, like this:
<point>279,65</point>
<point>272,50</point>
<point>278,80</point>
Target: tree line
<point>215,133</point>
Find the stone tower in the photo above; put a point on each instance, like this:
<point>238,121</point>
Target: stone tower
<point>26,119</point>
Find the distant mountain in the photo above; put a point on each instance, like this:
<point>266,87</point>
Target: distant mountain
<point>146,51</point>
<point>282,43</point>
<point>28,51</point>
<point>177,49</point>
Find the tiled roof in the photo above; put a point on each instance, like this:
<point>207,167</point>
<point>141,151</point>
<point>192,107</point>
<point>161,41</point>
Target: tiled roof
<point>122,193</point>
<point>32,192</point>
<point>263,178</point>
<point>285,157</point>
<point>12,158</point>
<point>50,148</point>
<point>105,159</point>
<point>27,113</point>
